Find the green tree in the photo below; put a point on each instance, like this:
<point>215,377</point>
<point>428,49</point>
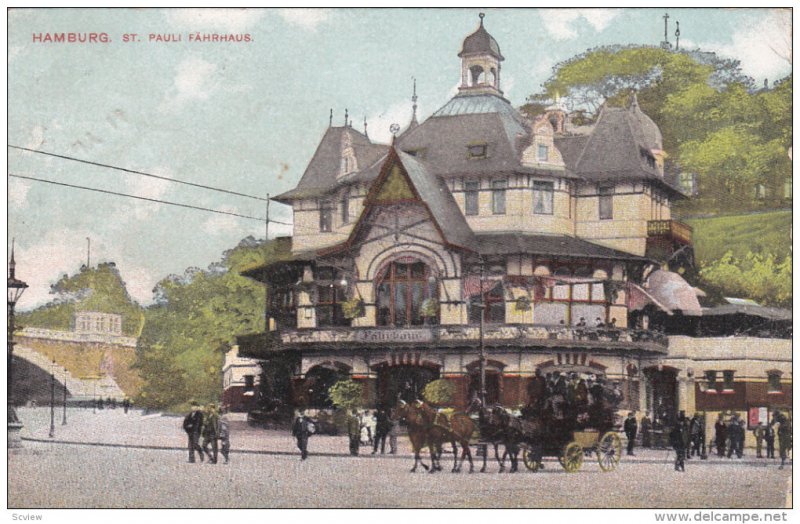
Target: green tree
<point>439,392</point>
<point>346,394</point>
<point>714,123</point>
<point>757,276</point>
<point>99,288</point>
<point>194,321</point>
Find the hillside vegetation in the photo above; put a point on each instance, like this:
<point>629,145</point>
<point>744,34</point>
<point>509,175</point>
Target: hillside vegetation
<point>764,233</point>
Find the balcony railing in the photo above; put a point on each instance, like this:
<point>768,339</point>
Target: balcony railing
<point>451,335</point>
<point>672,229</point>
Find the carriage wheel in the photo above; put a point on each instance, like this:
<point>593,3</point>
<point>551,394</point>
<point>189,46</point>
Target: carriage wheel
<point>572,457</point>
<point>609,451</point>
<point>529,459</point>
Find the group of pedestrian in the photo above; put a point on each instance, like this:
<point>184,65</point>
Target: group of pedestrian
<point>213,427</point>
<point>384,422</point>
<point>385,425</point>
<point>729,436</point>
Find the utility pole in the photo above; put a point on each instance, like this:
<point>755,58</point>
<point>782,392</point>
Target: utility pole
<point>481,346</point>
<point>88,252</point>
<point>266,284</point>
<point>53,400</point>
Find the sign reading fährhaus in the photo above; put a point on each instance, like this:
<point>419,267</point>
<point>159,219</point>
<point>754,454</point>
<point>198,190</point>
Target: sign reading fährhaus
<point>394,335</point>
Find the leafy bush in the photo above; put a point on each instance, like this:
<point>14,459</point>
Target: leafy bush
<point>346,394</point>
<point>439,392</point>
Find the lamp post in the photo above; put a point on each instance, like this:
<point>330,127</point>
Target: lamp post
<point>15,288</point>
<point>481,345</point>
<point>53,400</point>
<point>64,421</point>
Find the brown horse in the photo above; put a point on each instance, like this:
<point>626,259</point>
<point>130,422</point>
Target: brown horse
<point>425,427</point>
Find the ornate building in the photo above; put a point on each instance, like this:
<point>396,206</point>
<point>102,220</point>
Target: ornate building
<point>479,231</point>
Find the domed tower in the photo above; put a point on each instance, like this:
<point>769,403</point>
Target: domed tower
<point>480,63</point>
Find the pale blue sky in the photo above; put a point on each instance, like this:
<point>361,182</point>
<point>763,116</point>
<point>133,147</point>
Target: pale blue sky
<point>248,116</point>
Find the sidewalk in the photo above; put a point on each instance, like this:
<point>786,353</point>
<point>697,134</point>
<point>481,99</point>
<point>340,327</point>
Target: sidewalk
<point>116,429</point>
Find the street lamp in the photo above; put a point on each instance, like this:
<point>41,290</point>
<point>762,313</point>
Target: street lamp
<point>53,400</point>
<point>481,345</point>
<point>64,421</point>
<point>15,289</point>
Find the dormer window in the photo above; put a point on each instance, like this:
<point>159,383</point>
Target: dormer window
<point>477,151</point>
<point>543,153</point>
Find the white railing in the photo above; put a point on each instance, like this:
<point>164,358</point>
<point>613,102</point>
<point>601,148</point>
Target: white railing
<point>70,336</point>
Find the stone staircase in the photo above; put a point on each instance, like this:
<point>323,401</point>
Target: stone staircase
<point>79,389</point>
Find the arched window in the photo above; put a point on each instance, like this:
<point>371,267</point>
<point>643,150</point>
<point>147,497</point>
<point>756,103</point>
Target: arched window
<point>407,294</point>
<point>476,75</point>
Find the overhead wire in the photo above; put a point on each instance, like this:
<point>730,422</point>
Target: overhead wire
<point>142,173</point>
<point>135,172</point>
<point>155,200</point>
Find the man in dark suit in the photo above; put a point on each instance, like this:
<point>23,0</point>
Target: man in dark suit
<point>784,435</point>
<point>677,439</point>
<point>630,431</point>
<point>382,427</point>
<point>301,429</point>
<point>193,425</point>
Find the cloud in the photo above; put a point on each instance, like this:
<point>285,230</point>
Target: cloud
<point>64,252</point>
<point>561,23</point>
<point>18,193</point>
<point>763,46</point>
<point>195,79</point>
<point>139,281</point>
<point>227,20</point>
<point>148,188</point>
<point>306,18</point>
<point>43,263</point>
<point>378,125</point>
<point>223,224</point>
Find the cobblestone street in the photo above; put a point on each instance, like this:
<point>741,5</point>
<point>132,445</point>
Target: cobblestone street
<point>56,475</point>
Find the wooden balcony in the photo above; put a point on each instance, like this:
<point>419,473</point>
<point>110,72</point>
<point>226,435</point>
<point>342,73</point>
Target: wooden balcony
<point>672,230</point>
<point>504,335</point>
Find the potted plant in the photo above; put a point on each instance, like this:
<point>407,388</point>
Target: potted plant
<point>429,307</point>
<point>353,308</point>
<point>523,304</point>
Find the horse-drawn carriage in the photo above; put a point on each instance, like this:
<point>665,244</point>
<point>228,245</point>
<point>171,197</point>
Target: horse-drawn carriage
<point>570,435</point>
<point>572,447</point>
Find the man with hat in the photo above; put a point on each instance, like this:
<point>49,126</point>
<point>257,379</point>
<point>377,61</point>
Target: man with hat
<point>193,425</point>
<point>784,435</point>
<point>630,431</point>
<point>301,429</point>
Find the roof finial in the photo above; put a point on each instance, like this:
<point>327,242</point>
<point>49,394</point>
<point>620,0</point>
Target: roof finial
<point>365,126</point>
<point>345,117</point>
<point>481,15</point>
<point>330,119</point>
<point>677,35</point>
<point>414,103</point>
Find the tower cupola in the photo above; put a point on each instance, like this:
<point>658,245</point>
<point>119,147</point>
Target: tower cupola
<point>480,63</point>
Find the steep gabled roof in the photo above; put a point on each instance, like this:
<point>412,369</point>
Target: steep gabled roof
<point>469,120</point>
<point>418,184</point>
<point>320,177</point>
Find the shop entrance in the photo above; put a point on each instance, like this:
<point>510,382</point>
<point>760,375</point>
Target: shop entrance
<point>661,390</point>
<point>404,382</point>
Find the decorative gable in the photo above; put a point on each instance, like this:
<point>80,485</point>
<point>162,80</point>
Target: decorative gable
<point>394,188</point>
<point>542,150</point>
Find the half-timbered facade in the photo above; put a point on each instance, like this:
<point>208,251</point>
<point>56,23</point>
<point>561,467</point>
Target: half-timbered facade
<point>478,228</point>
